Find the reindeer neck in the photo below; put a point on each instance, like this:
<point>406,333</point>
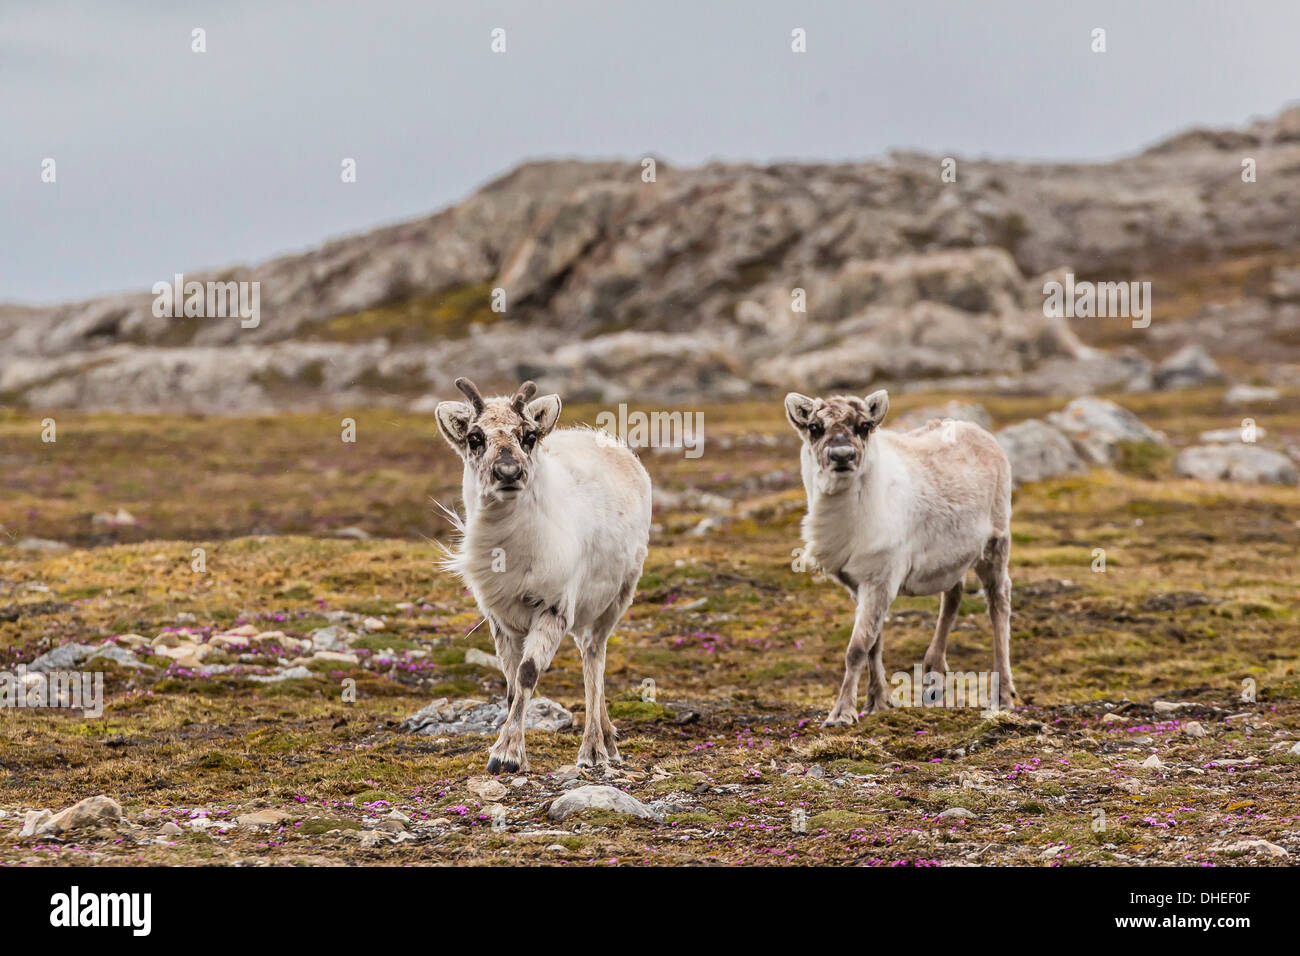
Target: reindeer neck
<point>833,520</point>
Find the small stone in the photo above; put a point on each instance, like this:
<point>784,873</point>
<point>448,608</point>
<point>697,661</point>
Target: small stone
<point>118,519</point>
<point>43,545</point>
<point>332,638</point>
<point>371,837</point>
<point>1262,847</point>
<point>1295,748</point>
<point>374,624</point>
<point>336,656</point>
<point>91,812</point>
<point>1190,366</point>
<point>1152,763</point>
<point>487,789</point>
<point>170,829</point>
<point>262,818</point>
<point>690,605</point>
<point>187,654</point>
<point>398,815</point>
<point>291,673</point>
<point>481,659</point>
<point>567,772</point>
<point>599,797</point>
<point>1193,728</point>
<point>63,657</point>
<point>32,820</point>
<point>957,813</point>
<point>1110,718</point>
<point>119,655</point>
<point>267,639</point>
<point>1251,394</point>
<point>229,641</point>
<point>1226,436</point>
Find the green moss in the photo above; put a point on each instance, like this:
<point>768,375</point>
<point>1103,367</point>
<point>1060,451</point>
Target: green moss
<point>221,761</point>
<point>318,825</point>
<point>839,820</point>
<point>689,819</point>
<point>1143,459</point>
<point>638,710</point>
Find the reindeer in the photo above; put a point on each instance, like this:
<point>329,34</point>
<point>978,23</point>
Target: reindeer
<point>908,513</point>
<point>555,532</point>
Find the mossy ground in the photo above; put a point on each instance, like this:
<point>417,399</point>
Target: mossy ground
<point>1198,595</point>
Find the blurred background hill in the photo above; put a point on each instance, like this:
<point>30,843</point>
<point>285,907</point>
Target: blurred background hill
<point>685,287</point>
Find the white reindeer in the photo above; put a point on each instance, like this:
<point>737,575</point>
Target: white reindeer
<point>555,532</point>
<point>909,513</point>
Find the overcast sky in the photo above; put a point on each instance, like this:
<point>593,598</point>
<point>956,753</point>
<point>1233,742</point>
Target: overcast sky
<point>169,160</point>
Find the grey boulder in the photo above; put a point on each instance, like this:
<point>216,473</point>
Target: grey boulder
<point>1097,427</point>
<point>1242,462</point>
<point>600,797</point>
<point>1038,451</point>
<point>451,718</point>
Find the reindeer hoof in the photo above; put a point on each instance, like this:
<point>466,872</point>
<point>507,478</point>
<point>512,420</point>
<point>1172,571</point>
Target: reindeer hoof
<point>843,720</point>
<point>498,765</point>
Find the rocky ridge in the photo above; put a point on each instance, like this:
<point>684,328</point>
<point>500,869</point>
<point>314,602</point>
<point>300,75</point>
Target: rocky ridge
<point>691,286</point>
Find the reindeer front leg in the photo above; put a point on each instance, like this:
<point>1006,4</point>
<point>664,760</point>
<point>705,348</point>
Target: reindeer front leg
<point>510,651</point>
<point>540,644</point>
<point>866,643</point>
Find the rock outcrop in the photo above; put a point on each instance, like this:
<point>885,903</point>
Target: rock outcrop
<point>714,282</point>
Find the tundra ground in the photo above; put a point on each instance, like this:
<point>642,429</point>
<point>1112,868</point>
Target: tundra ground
<point>1198,596</point>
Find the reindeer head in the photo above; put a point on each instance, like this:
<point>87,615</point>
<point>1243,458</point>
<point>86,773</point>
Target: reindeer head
<point>835,432</point>
<point>498,437</point>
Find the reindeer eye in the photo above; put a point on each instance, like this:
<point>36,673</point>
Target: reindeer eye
<point>528,441</point>
<point>816,430</point>
<point>476,440</point>
<point>862,430</point>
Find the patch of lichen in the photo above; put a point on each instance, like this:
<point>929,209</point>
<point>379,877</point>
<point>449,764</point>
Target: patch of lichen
<point>444,315</point>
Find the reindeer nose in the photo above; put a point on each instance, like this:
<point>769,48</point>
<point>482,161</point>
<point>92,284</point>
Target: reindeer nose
<point>506,468</point>
<point>841,454</point>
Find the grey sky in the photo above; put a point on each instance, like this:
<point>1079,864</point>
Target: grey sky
<point>170,161</point>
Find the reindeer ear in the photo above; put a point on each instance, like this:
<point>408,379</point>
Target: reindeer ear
<point>799,410</point>
<point>877,405</point>
<point>545,411</point>
<point>454,419</point>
